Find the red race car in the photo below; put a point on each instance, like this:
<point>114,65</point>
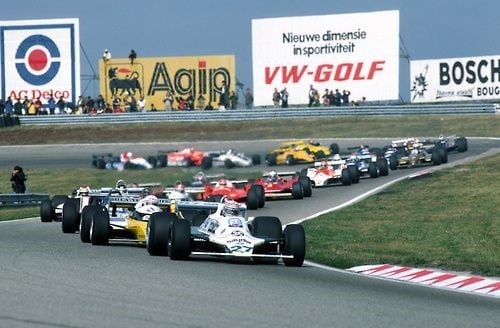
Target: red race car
<point>285,185</point>
<point>186,157</point>
<point>241,191</point>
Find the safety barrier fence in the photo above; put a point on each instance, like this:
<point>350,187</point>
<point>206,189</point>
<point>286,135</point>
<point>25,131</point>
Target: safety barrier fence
<point>262,114</point>
<point>22,200</point>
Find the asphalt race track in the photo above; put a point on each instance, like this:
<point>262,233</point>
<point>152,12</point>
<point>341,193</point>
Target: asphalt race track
<point>51,279</point>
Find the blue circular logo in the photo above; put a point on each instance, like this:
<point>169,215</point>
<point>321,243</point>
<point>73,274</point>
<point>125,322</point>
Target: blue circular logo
<point>40,59</point>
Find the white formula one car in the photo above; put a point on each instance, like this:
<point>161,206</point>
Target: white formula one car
<point>227,233</point>
<point>231,158</point>
<point>329,172</point>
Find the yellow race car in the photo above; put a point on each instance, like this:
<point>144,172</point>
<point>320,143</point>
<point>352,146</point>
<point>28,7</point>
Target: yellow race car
<point>299,151</point>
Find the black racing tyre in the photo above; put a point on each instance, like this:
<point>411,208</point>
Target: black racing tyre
<point>153,161</point>
<point>256,159</point>
<point>334,148</point>
<point>443,154</point>
<point>267,227</point>
<point>46,211</point>
<point>303,172</point>
<point>436,157</point>
<point>271,159</point>
<point>295,244</point>
<point>377,151</point>
<point>157,233</point>
<point>206,162</point>
<point>179,241</point>
<point>228,164</point>
<point>261,194</point>
<point>69,222</point>
<point>319,155</point>
<point>58,200</point>
<point>306,186</point>
<point>99,228</point>
<point>393,162</point>
<point>373,170</point>
<point>354,173</point>
<point>290,160</point>
<point>99,163</point>
<point>252,199</point>
<point>383,167</point>
<point>345,177</point>
<point>86,221</point>
<point>162,160</point>
<point>461,144</point>
<point>297,190</point>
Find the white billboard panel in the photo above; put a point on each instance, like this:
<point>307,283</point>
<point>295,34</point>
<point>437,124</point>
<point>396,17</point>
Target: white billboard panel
<point>40,58</point>
<point>455,79</point>
<point>358,52</point>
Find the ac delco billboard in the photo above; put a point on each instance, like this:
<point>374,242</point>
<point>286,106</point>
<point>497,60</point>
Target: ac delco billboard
<point>40,58</point>
<point>152,77</point>
<point>455,79</point>
<point>357,52</point>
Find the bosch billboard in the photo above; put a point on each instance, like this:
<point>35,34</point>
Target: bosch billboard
<point>358,52</point>
<point>40,58</point>
<point>455,79</point>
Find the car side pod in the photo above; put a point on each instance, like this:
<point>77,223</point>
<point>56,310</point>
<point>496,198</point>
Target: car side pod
<point>295,245</point>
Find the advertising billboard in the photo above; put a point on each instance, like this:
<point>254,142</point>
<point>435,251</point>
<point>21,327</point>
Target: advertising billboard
<point>153,77</point>
<point>455,79</point>
<point>40,58</point>
<point>358,52</point>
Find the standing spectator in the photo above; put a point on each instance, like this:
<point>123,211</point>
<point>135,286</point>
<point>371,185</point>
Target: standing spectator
<point>200,102</point>
<point>39,107</point>
<point>89,105</point>
<point>168,100</point>
<point>316,98</point>
<point>276,98</point>
<point>8,107</point>
<point>100,103</point>
<point>153,108</point>
<point>311,95</point>
<point>248,98</point>
<point>132,56</point>
<point>345,97</point>
<point>233,100</point>
<point>284,98</point>
<point>116,104</point>
<point>61,105</point>
<point>2,107</point>
<point>80,105</point>
<point>51,104</point>
<point>326,98</point>
<point>106,56</point>
<point>26,103</point>
<point>18,107</point>
<point>18,178</point>
<point>338,97</point>
<point>190,102</point>
<point>223,94</point>
<point>141,104</point>
<point>31,107</point>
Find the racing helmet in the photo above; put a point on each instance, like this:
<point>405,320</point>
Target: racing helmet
<point>231,208</point>
<point>120,184</point>
<point>441,137</point>
<point>83,190</point>
<point>222,182</point>
<point>147,205</point>
<point>336,157</point>
<point>200,177</point>
<point>179,187</point>
<point>272,176</point>
<point>324,163</point>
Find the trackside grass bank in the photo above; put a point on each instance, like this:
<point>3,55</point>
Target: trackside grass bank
<point>449,220</point>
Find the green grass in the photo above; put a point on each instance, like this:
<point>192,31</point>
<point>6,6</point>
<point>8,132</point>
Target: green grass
<point>446,220</point>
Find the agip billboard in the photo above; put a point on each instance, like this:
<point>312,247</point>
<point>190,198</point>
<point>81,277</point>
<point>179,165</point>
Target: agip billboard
<point>152,77</point>
<point>40,58</point>
<point>455,79</point>
<point>358,52</point>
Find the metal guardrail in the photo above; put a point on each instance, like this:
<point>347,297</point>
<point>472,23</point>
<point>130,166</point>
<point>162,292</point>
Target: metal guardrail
<point>262,113</point>
<point>22,200</point>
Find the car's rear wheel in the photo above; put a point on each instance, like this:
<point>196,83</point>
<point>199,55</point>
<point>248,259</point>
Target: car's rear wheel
<point>206,162</point>
<point>393,162</point>
<point>306,186</point>
<point>383,167</point>
<point>252,199</point>
<point>46,212</point>
<point>256,159</point>
<point>354,173</point>
<point>461,143</point>
<point>290,160</point>
<point>69,222</point>
<point>295,245</point>
<point>334,148</point>
<point>179,241</point>
<point>373,170</point>
<point>261,193</point>
<point>157,233</point>
<point>435,157</point>
<point>345,177</point>
<point>271,159</point>
<point>228,164</point>
<point>297,190</point>
<point>86,222</point>
<point>99,229</point>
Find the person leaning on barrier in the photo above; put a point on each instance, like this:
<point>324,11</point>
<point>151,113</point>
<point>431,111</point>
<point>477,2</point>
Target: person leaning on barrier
<point>18,178</point>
